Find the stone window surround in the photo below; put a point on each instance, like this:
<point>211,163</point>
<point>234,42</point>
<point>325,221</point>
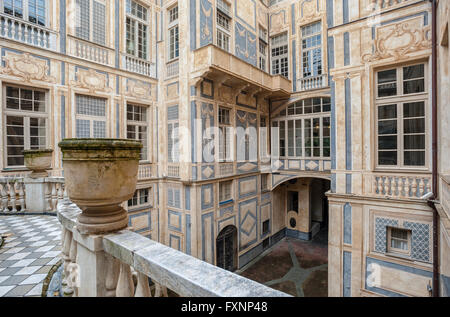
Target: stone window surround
<point>136,20</point>
<point>25,12</point>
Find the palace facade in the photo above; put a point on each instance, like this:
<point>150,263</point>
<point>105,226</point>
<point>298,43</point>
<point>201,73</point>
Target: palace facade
<point>260,119</point>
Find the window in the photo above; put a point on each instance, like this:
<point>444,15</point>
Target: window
<point>399,240</point>
<point>174,35</point>
<point>264,183</point>
<point>90,117</point>
<point>223,25</point>
<point>305,129</point>
<point>266,227</point>
<point>401,117</point>
<point>173,14</point>
<point>225,134</point>
<point>137,126</point>
<point>141,198</point>
<point>91,20</point>
<point>173,136</point>
<point>225,194</point>
<point>136,30</point>
<point>293,201</point>
<point>34,11</point>
<point>262,55</point>
<point>26,122</point>
<point>280,55</point>
<point>312,50</point>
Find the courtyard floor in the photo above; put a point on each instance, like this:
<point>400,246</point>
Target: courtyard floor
<point>298,268</point>
<point>31,247</point>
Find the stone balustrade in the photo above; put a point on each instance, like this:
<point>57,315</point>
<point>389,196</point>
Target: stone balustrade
<point>90,51</point>
<point>173,69</point>
<point>145,172</point>
<point>139,66</point>
<point>173,171</point>
<point>315,82</point>
<point>400,186</point>
<point>23,194</point>
<point>28,33</point>
<point>103,265</point>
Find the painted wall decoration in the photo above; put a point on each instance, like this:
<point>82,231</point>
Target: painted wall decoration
<point>26,66</point>
<point>245,44</point>
<point>277,22</point>
<point>138,89</point>
<point>206,22</point>
<point>248,229</point>
<point>309,11</point>
<point>207,115</point>
<point>245,11</point>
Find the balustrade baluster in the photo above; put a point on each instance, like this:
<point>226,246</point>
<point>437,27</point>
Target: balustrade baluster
<point>125,286</point>
<point>12,194</point>
<point>414,188</point>
<point>142,288</point>
<point>65,250</point>
<point>54,196</point>
<point>48,197</point>
<point>4,197</point>
<point>112,275</point>
<point>73,269</point>
<point>160,291</point>
<point>22,196</point>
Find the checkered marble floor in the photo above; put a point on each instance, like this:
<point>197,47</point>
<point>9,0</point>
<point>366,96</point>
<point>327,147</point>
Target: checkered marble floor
<point>32,246</point>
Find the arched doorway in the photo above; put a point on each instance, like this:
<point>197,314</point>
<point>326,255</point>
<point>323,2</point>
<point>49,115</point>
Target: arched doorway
<point>226,249</point>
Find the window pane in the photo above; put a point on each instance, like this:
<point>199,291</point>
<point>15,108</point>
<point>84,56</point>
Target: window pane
<point>414,125</point>
<point>414,142</point>
<point>387,112</point>
<point>387,157</point>
<point>414,109</point>
<point>387,127</point>
<point>290,138</point>
<point>387,142</point>
<point>414,158</point>
<point>387,76</point>
<point>414,86</point>
<point>412,72</point>
<point>83,128</point>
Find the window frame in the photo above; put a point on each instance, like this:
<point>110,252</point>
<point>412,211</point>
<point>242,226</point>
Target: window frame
<point>228,199</point>
<point>223,34</point>
<point>25,13</point>
<point>395,251</point>
<point>280,57</point>
<point>399,100</point>
<point>90,118</point>
<point>26,115</point>
<point>137,194</point>
<point>311,49</point>
<point>227,157</point>
<point>136,21</point>
<point>136,125</point>
<point>91,22</point>
<point>173,26</point>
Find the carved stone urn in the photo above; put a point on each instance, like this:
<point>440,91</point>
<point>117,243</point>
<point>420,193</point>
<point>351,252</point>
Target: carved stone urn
<point>100,174</point>
<point>38,161</point>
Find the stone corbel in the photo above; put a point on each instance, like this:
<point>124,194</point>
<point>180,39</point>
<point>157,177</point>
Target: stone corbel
<point>239,90</point>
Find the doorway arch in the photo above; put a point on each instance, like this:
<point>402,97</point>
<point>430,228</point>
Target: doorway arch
<point>226,249</point>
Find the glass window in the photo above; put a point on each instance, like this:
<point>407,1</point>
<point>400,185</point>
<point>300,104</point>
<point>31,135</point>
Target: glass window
<point>137,126</point>
<point>90,117</point>
<point>136,30</point>
<point>91,20</point>
<point>312,49</point>
<point>225,191</point>
<point>279,55</point>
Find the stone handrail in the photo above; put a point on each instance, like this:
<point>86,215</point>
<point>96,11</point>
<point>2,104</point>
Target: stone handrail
<point>12,194</point>
<point>102,265</point>
<point>26,32</point>
<point>90,51</point>
<point>399,185</point>
<point>173,69</point>
<point>138,65</point>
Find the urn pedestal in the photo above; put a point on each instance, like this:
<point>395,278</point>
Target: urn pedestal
<point>38,161</point>
<point>100,174</point>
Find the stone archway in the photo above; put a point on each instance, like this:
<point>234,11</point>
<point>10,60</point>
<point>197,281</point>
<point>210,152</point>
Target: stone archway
<point>226,249</point>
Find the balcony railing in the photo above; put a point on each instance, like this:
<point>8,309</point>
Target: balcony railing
<point>385,4</point>
<point>173,171</point>
<point>310,83</point>
<point>139,66</point>
<point>90,51</point>
<point>13,194</point>
<point>403,186</point>
<point>144,172</point>
<point>123,252</point>
<point>173,69</point>
<point>25,32</point>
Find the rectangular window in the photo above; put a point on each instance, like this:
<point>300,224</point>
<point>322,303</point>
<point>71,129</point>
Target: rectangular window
<point>91,20</point>
<point>137,127</point>
<point>264,182</point>
<point>399,240</point>
<point>90,117</point>
<point>173,145</point>
<point>223,22</point>
<point>266,227</point>
<point>225,194</point>
<point>136,30</point>
<point>401,117</point>
<point>225,134</point>
<point>141,198</point>
<point>223,6</point>
<point>34,11</point>
<point>26,122</point>
<point>223,40</point>
<point>173,14</point>
<point>174,43</point>
<point>280,55</point>
<point>312,49</point>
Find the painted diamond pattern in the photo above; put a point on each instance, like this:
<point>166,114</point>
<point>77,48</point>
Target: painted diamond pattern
<point>380,233</point>
<point>420,244</point>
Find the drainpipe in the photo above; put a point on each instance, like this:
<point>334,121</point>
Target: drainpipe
<point>431,202</point>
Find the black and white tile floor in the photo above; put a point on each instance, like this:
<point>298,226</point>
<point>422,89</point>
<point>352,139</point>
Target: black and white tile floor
<point>31,247</point>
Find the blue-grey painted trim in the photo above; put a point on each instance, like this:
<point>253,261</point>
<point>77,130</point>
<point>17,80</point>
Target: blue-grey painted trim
<point>193,23</point>
<point>248,256</point>
<point>175,238</point>
<point>172,226</point>
<point>345,13</point>
<point>395,266</point>
<point>294,65</point>
<point>243,218</point>
<point>252,193</point>
<point>242,20</point>
<point>445,282</point>
<point>346,48</point>
<point>347,274</point>
<point>293,20</point>
<point>63,73</point>
<point>330,13</point>
<point>188,234</point>
<point>193,91</point>
<point>212,89</point>
<point>305,236</point>
<point>347,223</point>
<point>333,183</point>
<point>220,222</point>
<point>348,124</point>
<point>62,27</point>
<point>330,40</point>
<point>63,117</point>
<point>118,84</point>
<point>187,198</point>
<point>117,33</point>
<point>348,183</point>
<point>148,214</point>
<point>211,188</point>
<point>117,120</point>
<point>210,215</point>
<point>226,210</point>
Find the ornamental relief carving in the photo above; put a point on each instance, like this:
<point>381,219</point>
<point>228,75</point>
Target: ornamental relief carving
<point>91,80</point>
<point>278,22</point>
<point>399,40</point>
<point>26,67</point>
<point>226,94</point>
<point>138,89</point>
<point>309,12</point>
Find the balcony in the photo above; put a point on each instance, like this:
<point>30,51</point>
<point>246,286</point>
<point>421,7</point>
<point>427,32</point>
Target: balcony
<point>138,65</point>
<point>311,83</point>
<point>90,51</point>
<point>123,253</point>
<point>213,62</point>
<point>28,33</point>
